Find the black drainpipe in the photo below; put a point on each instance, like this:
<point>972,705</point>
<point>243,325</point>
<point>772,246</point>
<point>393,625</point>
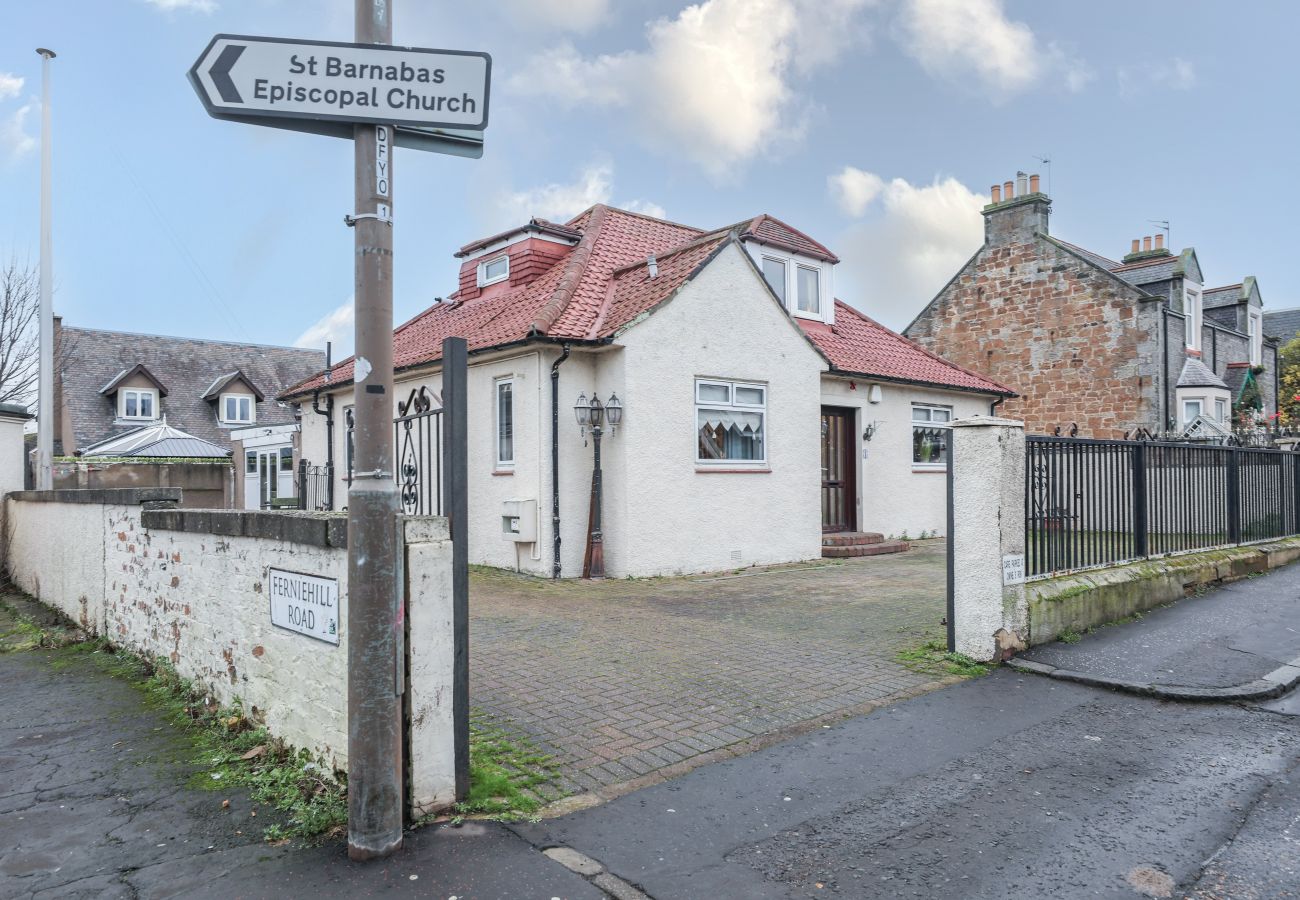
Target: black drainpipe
<point>993,407</point>
<point>328,413</point>
<point>555,459</point>
<point>1164,369</point>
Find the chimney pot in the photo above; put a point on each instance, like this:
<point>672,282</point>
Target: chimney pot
<point>1137,245</point>
<point>1022,186</point>
<point>1146,243</point>
<point>996,191</point>
<point>1033,184</point>
<point>1160,241</point>
<point>1008,191</point>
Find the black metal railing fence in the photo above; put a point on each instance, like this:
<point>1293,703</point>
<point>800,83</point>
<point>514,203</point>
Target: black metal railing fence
<point>1092,503</point>
<point>315,486</point>
<point>418,445</point>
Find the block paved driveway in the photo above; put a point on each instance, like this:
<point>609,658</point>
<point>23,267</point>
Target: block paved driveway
<point>628,682</point>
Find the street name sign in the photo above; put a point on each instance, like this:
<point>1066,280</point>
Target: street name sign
<point>251,78</point>
<point>307,604</point>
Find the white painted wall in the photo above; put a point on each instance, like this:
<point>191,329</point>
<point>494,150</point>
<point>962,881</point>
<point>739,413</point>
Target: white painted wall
<point>200,601</point>
<point>894,496</point>
<point>666,514</point>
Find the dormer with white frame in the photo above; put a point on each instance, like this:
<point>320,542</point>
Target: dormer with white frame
<point>512,258</point>
<point>236,398</point>
<point>799,270</point>
<point>136,395</point>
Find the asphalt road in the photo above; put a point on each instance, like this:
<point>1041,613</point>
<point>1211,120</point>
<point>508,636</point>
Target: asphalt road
<point>1010,786</point>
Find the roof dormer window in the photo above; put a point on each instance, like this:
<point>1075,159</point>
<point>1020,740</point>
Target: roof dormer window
<point>809,287</point>
<point>138,403</point>
<point>774,274</point>
<point>238,409</point>
<point>493,270</point>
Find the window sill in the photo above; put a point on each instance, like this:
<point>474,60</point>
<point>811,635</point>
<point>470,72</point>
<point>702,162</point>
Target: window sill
<point>918,469</point>
<point>709,470</point>
<point>503,472</point>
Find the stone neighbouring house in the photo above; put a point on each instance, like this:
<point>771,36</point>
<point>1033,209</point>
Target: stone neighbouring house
<point>763,420</point>
<point>120,396</point>
<point>1089,341</point>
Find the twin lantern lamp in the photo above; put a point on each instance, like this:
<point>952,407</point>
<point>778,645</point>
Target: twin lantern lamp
<point>590,412</point>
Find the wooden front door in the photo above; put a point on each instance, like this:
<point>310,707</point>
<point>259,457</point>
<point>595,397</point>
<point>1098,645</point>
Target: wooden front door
<point>839,482</point>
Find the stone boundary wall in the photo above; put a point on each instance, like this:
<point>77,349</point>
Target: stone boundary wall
<point>190,586</point>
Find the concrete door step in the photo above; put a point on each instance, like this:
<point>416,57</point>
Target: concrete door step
<point>851,538</point>
<point>875,548</point>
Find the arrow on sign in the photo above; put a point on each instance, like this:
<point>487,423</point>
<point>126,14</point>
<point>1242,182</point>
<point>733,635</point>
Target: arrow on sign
<point>220,73</point>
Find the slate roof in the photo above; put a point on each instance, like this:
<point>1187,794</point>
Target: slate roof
<point>1196,374</point>
<point>859,345</point>
<point>603,286</point>
<point>188,366</point>
<point>1228,295</point>
<point>1147,271</point>
<point>1282,324</point>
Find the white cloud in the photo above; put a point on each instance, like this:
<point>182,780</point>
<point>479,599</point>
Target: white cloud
<point>955,39</point>
<point>559,201</point>
<point>14,139</point>
<point>894,264</point>
<point>10,85</point>
<point>336,327</point>
<point>714,83</point>
<point>854,190</point>
<point>558,15</point>
<point>203,6</point>
<point>1175,75</point>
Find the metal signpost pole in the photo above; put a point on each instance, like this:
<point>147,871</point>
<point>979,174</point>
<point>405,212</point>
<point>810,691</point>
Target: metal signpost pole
<point>375,629</point>
<point>45,377</point>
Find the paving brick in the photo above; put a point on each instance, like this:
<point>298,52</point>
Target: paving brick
<point>623,679</point>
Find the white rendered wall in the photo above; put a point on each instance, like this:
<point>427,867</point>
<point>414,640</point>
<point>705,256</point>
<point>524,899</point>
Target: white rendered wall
<point>895,497</point>
<point>666,513</point>
<point>199,600</point>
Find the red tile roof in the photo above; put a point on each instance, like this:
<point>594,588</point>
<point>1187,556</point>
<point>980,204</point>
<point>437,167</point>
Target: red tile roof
<point>767,230</point>
<point>603,285</point>
<point>858,345</point>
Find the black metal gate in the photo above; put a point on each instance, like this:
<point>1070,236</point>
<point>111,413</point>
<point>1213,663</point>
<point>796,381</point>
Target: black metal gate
<point>418,446</point>
<point>315,487</point>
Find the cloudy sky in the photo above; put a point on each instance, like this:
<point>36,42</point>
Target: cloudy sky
<point>874,125</point>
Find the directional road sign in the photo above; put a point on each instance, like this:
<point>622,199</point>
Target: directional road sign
<point>280,78</point>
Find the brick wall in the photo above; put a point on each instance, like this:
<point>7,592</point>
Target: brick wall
<point>1075,342</point>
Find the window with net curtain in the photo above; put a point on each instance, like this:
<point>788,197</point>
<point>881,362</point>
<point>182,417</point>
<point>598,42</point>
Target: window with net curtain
<point>930,430</point>
<point>730,422</point>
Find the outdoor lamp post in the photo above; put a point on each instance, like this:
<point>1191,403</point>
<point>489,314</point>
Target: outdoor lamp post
<point>590,414</point>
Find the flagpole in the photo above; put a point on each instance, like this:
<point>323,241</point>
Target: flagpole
<point>45,386</point>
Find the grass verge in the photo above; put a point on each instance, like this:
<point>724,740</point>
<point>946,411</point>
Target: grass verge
<point>228,749</point>
<point>933,658</point>
<point>509,778</point>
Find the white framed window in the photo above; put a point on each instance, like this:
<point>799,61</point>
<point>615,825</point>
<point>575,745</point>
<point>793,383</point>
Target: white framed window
<point>1191,409</point>
<point>238,409</point>
<point>493,270</point>
<point>250,462</point>
<point>505,420</point>
<point>1221,411</point>
<point>1192,314</point>
<point>774,273</point>
<point>730,423</point>
<point>931,427</point>
<point>139,403</point>
<point>1256,332</point>
<point>808,286</point>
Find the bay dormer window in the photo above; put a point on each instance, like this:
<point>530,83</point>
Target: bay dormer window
<point>493,270</point>
<point>138,404</point>
<point>1255,328</point>
<point>1192,314</point>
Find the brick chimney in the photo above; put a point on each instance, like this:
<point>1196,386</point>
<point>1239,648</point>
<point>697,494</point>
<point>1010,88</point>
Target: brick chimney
<point>1018,211</point>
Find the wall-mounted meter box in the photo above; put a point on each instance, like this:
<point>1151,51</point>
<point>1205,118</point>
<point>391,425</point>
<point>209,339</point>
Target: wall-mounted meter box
<point>519,521</point>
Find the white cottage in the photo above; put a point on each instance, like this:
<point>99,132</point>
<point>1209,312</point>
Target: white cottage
<point>762,420</point>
